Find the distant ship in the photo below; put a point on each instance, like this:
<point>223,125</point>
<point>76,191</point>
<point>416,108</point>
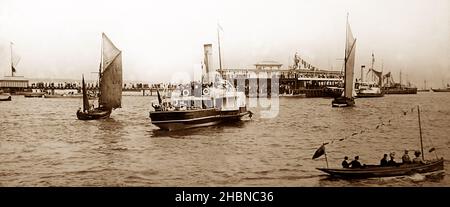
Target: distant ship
<point>347,98</point>
<point>367,89</point>
<point>68,95</point>
<point>34,94</point>
<point>211,102</point>
<point>63,96</point>
<point>392,87</point>
<point>110,81</point>
<point>442,89</point>
<point>424,89</point>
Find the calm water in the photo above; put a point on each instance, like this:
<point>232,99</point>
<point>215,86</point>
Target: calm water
<point>43,144</point>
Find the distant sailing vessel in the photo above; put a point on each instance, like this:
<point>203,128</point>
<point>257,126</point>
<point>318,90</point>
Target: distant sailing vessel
<point>211,102</point>
<point>402,169</point>
<point>442,89</point>
<point>348,96</point>
<point>110,84</point>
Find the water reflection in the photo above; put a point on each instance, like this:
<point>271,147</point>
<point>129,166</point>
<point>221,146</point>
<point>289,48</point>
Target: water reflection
<point>187,133</point>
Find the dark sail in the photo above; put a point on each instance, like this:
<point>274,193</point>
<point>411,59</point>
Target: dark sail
<point>111,76</point>
<point>85,98</point>
<point>379,74</point>
<point>14,60</point>
<point>159,97</point>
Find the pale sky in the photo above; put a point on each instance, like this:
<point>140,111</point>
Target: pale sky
<point>62,39</point>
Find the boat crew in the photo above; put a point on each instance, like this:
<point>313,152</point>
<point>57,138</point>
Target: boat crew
<point>392,162</point>
<point>405,158</point>
<point>384,161</point>
<point>355,163</point>
<point>418,159</point>
<point>345,163</point>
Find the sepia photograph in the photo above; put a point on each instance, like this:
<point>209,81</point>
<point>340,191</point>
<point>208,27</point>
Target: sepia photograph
<point>224,93</point>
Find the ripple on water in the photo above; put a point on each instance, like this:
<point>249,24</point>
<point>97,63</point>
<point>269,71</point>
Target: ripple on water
<point>45,145</point>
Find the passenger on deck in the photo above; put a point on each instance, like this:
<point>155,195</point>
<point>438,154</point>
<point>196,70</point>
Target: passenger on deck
<point>355,163</point>
<point>392,162</point>
<point>405,158</point>
<point>418,159</point>
<point>345,163</point>
<point>384,161</point>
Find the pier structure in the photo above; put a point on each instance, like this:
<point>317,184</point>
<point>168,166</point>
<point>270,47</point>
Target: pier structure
<point>13,84</point>
<point>269,77</point>
<point>64,87</point>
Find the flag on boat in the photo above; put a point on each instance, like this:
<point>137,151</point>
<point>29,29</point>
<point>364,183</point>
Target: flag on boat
<point>320,151</point>
<point>15,58</point>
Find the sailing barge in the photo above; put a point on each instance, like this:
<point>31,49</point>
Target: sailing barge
<point>110,81</point>
<point>347,98</point>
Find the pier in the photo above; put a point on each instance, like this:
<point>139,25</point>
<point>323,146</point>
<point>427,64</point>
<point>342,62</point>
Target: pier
<point>268,76</point>
<point>133,89</point>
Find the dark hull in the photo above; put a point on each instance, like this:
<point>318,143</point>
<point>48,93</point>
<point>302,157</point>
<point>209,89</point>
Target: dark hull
<point>61,96</point>
<point>342,102</point>
<point>293,95</point>
<point>333,92</point>
<point>369,95</point>
<point>400,90</point>
<point>34,95</point>
<point>175,120</point>
<point>94,114</point>
<point>441,90</point>
<point>377,171</point>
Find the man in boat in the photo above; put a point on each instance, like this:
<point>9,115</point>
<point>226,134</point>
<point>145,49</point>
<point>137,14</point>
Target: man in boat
<point>384,161</point>
<point>355,163</point>
<point>392,162</point>
<point>345,163</point>
<point>405,158</point>
<point>418,159</point>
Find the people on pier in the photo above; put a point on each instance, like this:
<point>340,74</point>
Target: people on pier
<point>384,161</point>
<point>355,163</point>
<point>405,158</point>
<point>345,163</point>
